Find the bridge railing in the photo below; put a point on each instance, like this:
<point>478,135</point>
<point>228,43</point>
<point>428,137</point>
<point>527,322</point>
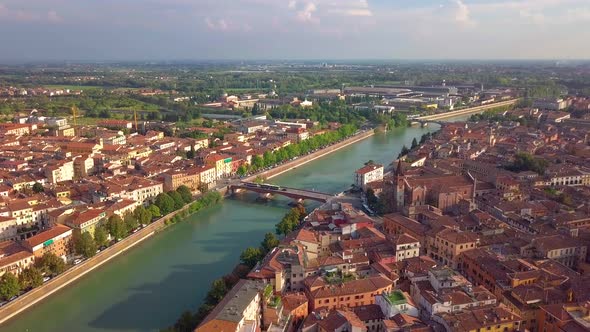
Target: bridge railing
<point>281,188</point>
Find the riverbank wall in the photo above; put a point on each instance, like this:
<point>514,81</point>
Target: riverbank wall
<point>467,111</point>
<point>74,273</point>
<point>40,293</point>
<point>302,160</point>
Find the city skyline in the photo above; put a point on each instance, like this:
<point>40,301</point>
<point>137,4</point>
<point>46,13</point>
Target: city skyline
<point>293,29</point>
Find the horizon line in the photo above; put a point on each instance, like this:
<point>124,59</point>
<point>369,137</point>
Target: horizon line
<point>11,62</point>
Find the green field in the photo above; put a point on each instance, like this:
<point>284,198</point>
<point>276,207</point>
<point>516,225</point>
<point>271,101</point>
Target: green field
<point>74,87</point>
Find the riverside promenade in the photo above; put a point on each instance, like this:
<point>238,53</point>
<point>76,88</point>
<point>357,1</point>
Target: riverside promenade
<point>36,295</point>
<point>280,169</point>
<point>465,111</point>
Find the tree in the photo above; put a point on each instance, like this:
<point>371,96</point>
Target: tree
<point>423,138</point>
<point>284,227</point>
<point>165,203</point>
<point>404,151</point>
<point>203,187</point>
<point>371,198</point>
<point>242,170</point>
<point>38,188</point>
<point>414,144</point>
<point>154,210</point>
<point>256,109</point>
<point>270,241</point>
<point>186,323</point>
<point>301,213</point>
<point>257,162</point>
<point>217,291</point>
<point>191,154</point>
<point>526,162</point>
<point>250,256</point>
<point>185,193</point>
<point>131,222</point>
<point>178,201</point>
<point>269,159</point>
<point>85,245</point>
<point>142,215</point>
<point>9,286</point>
<point>289,222</point>
<point>116,227</point>
<point>297,213</point>
<point>51,264</point>
<point>101,236</point>
<point>30,277</point>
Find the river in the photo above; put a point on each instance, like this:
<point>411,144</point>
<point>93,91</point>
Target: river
<point>148,287</point>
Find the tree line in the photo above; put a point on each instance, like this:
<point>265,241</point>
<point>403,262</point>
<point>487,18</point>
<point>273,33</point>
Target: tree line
<point>115,228</point>
<point>291,151</point>
<point>188,321</point>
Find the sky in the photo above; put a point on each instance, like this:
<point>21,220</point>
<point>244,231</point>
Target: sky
<point>37,30</point>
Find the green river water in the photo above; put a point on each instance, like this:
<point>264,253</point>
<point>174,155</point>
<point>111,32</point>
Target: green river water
<point>148,287</point>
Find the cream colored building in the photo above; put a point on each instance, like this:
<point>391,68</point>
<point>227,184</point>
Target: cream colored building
<point>367,174</point>
<point>8,228</point>
<point>83,166</point>
<point>60,171</point>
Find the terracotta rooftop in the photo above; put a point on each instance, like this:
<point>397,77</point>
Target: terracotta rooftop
<point>49,234</point>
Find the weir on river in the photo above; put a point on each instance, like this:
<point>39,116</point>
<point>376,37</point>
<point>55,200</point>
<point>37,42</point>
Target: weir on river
<point>149,287</point>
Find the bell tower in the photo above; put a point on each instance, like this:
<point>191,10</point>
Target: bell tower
<point>399,187</point>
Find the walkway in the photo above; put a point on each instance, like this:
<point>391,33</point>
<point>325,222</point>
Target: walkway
<point>466,111</point>
<point>293,193</point>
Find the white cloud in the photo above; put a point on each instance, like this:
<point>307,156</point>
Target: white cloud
<point>462,14</point>
<point>21,15</point>
<point>351,8</point>
<point>226,25</point>
<point>306,13</point>
<point>316,10</point>
<point>217,25</point>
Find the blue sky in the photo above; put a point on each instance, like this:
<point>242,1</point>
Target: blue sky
<point>293,29</point>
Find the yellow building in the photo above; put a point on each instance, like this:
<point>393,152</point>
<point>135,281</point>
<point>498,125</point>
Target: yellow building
<point>175,179</point>
<point>85,221</point>
<point>222,164</point>
<point>446,245</point>
<point>14,258</point>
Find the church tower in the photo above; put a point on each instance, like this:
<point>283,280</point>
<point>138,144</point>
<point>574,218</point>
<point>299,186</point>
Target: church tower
<point>399,187</point>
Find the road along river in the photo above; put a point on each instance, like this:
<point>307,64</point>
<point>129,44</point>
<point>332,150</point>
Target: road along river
<point>148,287</point>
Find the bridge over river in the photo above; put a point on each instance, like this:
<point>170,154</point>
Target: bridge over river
<point>294,193</point>
<point>171,272</point>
